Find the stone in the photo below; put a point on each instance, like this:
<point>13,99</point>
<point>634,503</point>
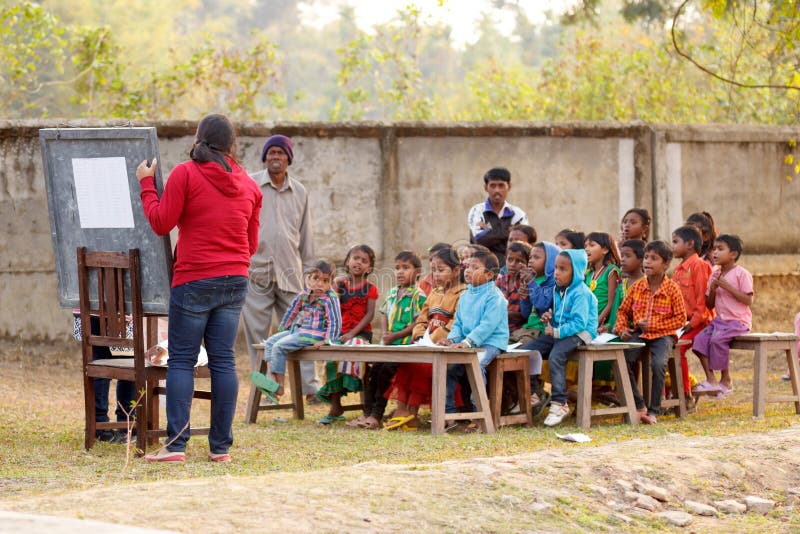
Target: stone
<point>679,519</point>
<point>653,491</point>
<point>648,503</point>
<point>624,485</point>
<point>541,507</point>
<point>793,491</point>
<point>729,506</point>
<point>622,518</point>
<point>698,508</point>
<point>599,490</point>
<point>758,505</point>
<point>631,496</point>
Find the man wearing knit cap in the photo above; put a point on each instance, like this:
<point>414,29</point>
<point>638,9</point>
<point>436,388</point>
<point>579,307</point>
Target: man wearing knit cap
<point>285,249</point>
<point>489,221</point>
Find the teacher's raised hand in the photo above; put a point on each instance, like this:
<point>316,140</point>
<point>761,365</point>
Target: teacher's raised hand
<point>144,170</point>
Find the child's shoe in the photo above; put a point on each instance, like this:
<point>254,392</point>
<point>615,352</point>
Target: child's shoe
<point>558,412</point>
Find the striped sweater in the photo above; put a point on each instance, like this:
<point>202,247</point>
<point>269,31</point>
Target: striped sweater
<point>314,319</point>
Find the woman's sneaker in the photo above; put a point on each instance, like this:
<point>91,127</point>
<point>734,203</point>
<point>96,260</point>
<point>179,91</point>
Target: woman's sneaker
<point>557,414</point>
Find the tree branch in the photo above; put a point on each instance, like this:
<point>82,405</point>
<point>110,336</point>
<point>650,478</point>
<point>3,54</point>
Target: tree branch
<point>709,71</point>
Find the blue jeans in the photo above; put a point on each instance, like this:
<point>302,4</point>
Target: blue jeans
<point>456,373</point>
<point>659,348</point>
<point>278,346</point>
<point>126,390</point>
<point>555,351</point>
<point>203,310</point>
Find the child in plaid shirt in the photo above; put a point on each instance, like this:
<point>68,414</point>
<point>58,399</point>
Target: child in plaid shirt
<point>654,306</point>
<point>314,318</point>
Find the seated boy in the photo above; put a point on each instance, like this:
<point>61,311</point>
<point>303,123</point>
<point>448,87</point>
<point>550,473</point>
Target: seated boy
<point>481,318</point>
<point>654,306</point>
<point>313,318</point>
<point>572,322</point>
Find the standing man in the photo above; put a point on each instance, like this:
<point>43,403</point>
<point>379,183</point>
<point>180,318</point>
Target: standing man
<point>489,221</point>
<point>285,249</point>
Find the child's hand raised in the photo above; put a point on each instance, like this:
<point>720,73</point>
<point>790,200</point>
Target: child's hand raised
<point>547,316</point>
<point>526,274</point>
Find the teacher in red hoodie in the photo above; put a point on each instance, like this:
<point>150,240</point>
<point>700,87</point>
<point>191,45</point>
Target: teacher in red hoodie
<point>216,206</point>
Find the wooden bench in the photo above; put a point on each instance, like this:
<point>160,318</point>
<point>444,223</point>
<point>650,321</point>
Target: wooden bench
<point>761,344</point>
<point>586,355</point>
<point>439,357</point>
<point>678,399</point>
<point>519,364</point>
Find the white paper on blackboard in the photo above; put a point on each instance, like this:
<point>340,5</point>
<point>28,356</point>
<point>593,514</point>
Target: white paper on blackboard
<point>103,193</point>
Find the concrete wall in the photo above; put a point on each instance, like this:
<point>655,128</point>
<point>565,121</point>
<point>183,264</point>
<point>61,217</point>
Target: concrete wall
<point>410,185</point>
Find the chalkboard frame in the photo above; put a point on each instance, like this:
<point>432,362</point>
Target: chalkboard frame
<point>59,146</point>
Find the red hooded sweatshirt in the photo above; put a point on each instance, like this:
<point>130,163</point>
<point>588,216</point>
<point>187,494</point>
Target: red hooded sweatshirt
<point>217,217</point>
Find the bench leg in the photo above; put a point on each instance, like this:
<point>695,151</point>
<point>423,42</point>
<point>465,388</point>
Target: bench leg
<point>495,372</point>
<point>254,399</point>
<point>676,375</point>
<point>475,376</point>
<point>759,381</point>
<point>583,410</point>
<point>622,382</point>
<point>524,393</point>
<point>794,375</point>
<point>297,388</point>
<point>438,394</point>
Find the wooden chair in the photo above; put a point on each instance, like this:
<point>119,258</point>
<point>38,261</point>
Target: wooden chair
<point>110,270</point>
<point>517,365</point>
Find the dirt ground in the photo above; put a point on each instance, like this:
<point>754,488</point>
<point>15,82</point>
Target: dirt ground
<point>575,488</point>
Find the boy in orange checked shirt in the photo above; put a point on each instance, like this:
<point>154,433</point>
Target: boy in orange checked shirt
<point>691,275</point>
<point>654,307</point>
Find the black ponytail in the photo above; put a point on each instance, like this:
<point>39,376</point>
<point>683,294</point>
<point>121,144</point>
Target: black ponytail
<point>214,141</point>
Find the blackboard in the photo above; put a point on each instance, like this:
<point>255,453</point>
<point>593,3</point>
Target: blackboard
<point>93,202</point>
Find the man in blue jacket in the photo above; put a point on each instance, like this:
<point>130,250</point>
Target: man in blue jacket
<point>572,322</point>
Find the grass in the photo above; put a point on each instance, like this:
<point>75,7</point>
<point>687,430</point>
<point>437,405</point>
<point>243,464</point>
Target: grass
<point>41,433</point>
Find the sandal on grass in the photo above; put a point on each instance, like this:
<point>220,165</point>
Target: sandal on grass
<point>266,385</point>
<point>330,419</point>
<point>166,455</point>
<point>397,422</point>
<point>368,425</point>
<point>472,428</point>
<point>706,388</point>
<point>219,457</point>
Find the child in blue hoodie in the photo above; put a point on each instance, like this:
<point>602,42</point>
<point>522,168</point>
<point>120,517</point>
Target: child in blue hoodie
<point>572,322</point>
<point>481,318</point>
<point>536,298</point>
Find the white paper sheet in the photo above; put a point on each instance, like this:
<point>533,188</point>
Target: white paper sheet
<point>103,193</point>
<point>602,339</point>
<point>426,340</point>
<point>575,437</point>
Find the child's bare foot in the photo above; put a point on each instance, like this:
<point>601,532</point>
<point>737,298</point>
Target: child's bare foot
<point>369,423</point>
<point>357,422</point>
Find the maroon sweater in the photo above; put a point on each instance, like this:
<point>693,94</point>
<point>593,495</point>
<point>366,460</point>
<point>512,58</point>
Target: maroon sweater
<point>217,217</point>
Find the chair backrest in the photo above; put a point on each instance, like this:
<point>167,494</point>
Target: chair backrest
<point>110,269</point>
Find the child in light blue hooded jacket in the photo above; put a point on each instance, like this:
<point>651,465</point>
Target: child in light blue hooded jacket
<point>481,319</point>
<point>571,322</point>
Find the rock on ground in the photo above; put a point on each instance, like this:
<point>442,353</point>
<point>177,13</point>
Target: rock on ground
<point>698,508</point>
<point>679,519</point>
<point>730,506</point>
<point>758,505</point>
